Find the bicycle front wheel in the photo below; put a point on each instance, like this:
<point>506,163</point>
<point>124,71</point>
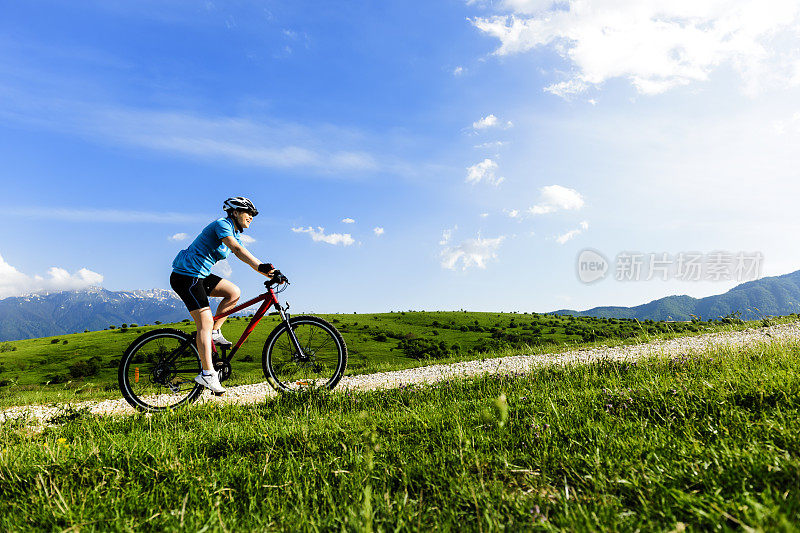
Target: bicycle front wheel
<point>317,359</point>
<point>158,369</point>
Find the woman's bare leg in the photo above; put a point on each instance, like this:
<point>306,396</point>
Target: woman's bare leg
<point>230,298</point>
<point>204,321</point>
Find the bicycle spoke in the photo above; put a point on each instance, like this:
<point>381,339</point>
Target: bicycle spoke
<point>159,371</point>
<point>177,353</point>
<point>329,339</point>
<point>321,362</point>
<point>310,338</point>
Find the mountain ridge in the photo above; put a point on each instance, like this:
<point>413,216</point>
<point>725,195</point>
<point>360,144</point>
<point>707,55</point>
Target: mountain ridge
<point>45,314</point>
<point>768,296</point>
<point>96,308</point>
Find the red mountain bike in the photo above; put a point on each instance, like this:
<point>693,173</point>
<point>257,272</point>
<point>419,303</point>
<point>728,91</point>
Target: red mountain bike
<point>158,369</point>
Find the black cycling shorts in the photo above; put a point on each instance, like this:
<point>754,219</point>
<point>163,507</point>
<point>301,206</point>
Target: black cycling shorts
<point>193,291</point>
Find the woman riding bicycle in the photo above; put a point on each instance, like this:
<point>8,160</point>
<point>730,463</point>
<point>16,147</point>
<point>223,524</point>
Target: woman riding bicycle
<point>193,281</point>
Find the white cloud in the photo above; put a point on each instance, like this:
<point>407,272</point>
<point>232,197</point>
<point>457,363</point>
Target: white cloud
<point>484,171</point>
<point>485,122</point>
<point>179,237</point>
<point>583,226</point>
<point>378,231</point>
<point>656,45</point>
<point>471,252</point>
<point>458,71</point>
<point>555,198</point>
<point>15,283</point>
<point>348,221</point>
<point>512,213</point>
<point>247,239</point>
<point>484,215</point>
<point>490,121</point>
<point>491,144</point>
<point>447,235</point>
<point>527,6</point>
<point>319,235</point>
<point>222,269</point>
<point>265,143</point>
<point>567,89</point>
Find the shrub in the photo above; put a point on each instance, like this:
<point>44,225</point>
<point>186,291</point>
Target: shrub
<point>423,349</point>
<point>7,347</point>
<point>112,327</point>
<point>85,368</point>
<point>55,379</point>
<point>64,341</point>
<point>380,337</point>
<point>157,322</point>
<point>54,341</point>
<point>134,325</point>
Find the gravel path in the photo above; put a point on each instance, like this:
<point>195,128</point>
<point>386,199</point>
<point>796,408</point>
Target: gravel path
<point>247,394</point>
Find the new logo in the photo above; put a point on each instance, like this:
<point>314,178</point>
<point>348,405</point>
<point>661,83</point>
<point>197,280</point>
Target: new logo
<point>592,266</point>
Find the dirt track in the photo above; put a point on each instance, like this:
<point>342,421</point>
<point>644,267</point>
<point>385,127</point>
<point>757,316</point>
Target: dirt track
<point>246,394</point>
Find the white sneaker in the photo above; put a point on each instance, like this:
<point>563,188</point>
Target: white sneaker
<point>210,382</point>
<point>218,339</point>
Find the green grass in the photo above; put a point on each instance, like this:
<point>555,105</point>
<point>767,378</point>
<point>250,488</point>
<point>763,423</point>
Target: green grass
<point>46,370</point>
<point>711,441</point>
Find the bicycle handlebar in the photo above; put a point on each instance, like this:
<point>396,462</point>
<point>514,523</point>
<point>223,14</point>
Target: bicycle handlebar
<point>277,279</point>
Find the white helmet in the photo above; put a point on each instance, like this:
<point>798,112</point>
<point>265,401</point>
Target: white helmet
<point>239,203</point>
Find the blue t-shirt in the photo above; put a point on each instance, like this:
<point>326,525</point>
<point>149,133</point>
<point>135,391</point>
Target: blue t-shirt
<point>200,257</point>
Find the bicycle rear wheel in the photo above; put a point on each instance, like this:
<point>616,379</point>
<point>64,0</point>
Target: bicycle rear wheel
<point>320,363</point>
<point>158,369</point>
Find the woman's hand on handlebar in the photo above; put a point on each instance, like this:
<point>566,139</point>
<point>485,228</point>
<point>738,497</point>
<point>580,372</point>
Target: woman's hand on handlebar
<point>267,269</point>
<point>276,278</point>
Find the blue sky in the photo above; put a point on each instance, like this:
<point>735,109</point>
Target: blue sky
<point>490,142</point>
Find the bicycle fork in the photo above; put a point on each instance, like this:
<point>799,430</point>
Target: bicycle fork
<point>285,317</point>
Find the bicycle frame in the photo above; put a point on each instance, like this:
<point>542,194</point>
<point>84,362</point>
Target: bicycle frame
<point>269,299</point>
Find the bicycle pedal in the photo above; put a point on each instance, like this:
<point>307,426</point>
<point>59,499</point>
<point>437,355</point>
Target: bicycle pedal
<point>217,393</point>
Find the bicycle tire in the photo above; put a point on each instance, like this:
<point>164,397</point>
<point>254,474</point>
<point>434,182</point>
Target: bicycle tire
<point>149,382</point>
<point>325,365</point>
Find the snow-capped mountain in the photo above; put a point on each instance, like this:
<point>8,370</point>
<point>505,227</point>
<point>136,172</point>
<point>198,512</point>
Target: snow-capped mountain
<point>95,308</point>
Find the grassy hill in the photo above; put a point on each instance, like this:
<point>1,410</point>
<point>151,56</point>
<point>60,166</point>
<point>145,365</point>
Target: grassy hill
<point>84,365</point>
<point>706,442</point>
